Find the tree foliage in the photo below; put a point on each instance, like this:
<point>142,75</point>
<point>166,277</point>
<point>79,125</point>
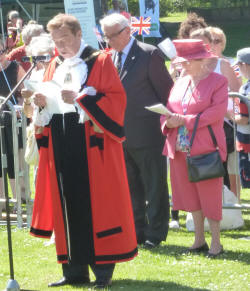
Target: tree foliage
<point>166,6</point>
<point>170,6</point>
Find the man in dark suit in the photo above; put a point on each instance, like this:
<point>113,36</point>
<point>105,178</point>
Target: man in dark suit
<point>146,81</point>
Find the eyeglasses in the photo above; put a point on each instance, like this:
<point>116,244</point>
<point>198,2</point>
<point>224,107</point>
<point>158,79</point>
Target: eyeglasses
<point>2,51</point>
<point>106,38</point>
<point>217,41</point>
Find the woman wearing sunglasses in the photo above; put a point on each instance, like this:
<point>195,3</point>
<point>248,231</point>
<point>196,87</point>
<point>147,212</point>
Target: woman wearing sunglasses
<point>10,74</point>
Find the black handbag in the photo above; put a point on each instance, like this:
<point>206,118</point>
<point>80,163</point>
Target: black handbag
<point>205,166</point>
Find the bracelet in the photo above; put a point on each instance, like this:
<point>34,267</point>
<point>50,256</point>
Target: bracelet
<point>25,103</point>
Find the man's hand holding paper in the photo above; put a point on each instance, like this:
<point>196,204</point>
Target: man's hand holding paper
<point>52,92</point>
<point>39,100</point>
<point>68,96</point>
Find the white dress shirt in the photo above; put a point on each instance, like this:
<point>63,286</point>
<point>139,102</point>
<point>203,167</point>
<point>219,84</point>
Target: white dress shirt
<point>125,51</point>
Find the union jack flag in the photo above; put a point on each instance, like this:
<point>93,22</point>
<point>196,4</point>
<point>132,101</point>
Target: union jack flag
<point>237,70</point>
<point>97,34</point>
<point>140,25</point>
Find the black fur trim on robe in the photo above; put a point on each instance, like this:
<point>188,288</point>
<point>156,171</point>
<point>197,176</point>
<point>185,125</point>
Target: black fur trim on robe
<point>109,258</point>
<point>40,232</point>
<point>72,175</point>
<point>90,102</point>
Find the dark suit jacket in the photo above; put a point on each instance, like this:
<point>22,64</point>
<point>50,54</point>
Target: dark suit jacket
<point>147,82</point>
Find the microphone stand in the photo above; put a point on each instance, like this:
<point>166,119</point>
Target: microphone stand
<point>12,284</point>
<point>18,84</point>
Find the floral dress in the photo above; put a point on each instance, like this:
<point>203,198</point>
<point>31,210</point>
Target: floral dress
<point>183,142</point>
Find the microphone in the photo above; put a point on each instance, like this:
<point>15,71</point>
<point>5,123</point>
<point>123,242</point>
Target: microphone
<point>34,59</point>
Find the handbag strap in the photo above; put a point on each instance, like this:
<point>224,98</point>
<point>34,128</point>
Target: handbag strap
<point>212,136</point>
<point>194,132</point>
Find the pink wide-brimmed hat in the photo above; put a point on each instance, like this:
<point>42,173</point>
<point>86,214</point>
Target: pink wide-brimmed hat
<point>191,49</point>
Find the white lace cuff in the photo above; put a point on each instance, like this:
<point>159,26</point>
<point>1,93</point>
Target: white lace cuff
<point>42,118</point>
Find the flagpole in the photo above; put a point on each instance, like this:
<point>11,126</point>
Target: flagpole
<point>12,284</point>
<point>126,4</point>
<point>2,26</point>
<point>25,11</point>
<point>98,37</point>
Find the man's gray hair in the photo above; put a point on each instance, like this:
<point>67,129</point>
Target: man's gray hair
<point>31,30</point>
<point>113,19</point>
<point>41,45</point>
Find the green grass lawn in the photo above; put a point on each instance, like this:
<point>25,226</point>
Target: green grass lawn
<point>175,17</point>
<point>165,268</point>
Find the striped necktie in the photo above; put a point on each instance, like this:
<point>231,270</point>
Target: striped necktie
<point>119,63</point>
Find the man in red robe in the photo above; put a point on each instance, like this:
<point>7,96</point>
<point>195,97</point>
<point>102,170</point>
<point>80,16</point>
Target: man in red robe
<point>82,192</point>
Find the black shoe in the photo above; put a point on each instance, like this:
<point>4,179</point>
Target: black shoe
<point>202,248</point>
<point>140,241</point>
<point>212,256</point>
<point>102,285</point>
<point>69,281</point>
<point>151,244</point>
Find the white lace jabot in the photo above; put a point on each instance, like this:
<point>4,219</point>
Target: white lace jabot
<point>74,66</point>
<point>77,69</point>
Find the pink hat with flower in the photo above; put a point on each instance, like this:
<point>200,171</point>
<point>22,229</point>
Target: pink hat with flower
<point>191,49</point>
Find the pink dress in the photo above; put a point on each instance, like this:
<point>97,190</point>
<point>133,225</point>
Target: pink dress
<point>209,97</point>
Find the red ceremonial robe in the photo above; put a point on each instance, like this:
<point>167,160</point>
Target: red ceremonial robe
<point>82,192</point>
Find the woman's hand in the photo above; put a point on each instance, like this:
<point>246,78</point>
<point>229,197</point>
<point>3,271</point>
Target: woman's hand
<point>176,120</point>
<point>40,99</point>
<point>68,96</point>
<point>26,94</point>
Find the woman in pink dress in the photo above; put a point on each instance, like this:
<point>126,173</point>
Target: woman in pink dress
<point>205,92</point>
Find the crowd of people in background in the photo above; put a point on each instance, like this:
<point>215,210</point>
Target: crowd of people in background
<point>122,152</point>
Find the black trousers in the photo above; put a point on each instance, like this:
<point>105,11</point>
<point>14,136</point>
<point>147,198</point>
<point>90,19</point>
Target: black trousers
<point>147,177</point>
<point>103,273</point>
<point>175,215</point>
<point>226,177</point>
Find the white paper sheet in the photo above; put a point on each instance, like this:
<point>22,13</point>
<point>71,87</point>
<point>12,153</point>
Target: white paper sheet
<point>160,109</point>
<point>52,90</point>
<point>168,48</point>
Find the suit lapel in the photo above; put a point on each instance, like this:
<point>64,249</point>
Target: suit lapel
<point>130,60</point>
